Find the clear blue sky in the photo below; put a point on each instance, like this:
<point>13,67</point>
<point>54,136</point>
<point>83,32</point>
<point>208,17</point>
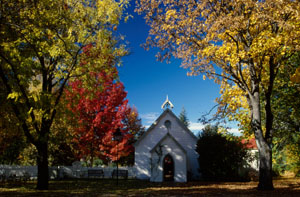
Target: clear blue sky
<point>148,81</point>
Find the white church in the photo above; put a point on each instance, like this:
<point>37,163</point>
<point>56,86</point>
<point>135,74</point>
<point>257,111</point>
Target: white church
<point>166,151</point>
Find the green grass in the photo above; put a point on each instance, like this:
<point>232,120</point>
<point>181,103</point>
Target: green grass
<point>108,187</point>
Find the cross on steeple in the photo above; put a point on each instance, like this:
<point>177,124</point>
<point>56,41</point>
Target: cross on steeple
<point>167,104</point>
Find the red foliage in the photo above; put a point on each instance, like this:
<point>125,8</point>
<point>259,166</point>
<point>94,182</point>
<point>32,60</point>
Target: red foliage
<point>249,144</point>
<point>100,109</point>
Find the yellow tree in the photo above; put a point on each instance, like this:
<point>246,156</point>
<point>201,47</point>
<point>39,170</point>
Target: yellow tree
<point>241,43</point>
<point>40,46</point>
<point>285,109</point>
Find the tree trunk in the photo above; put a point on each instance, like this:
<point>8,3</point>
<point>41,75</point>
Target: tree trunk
<point>42,162</point>
<point>265,151</point>
<point>265,168</point>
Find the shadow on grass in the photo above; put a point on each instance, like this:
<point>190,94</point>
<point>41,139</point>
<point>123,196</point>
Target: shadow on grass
<point>108,187</point>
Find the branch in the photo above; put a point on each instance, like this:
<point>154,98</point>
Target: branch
<point>235,77</point>
<point>61,89</point>
<point>27,102</point>
<point>245,88</point>
<point>16,109</point>
<point>203,117</point>
<point>31,45</point>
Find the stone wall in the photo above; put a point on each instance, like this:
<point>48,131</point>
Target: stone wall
<point>60,172</point>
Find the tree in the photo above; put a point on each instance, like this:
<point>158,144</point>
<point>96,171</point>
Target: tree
<point>220,157</point>
<point>286,113</point>
<point>134,123</point>
<point>286,109</point>
<point>40,46</point>
<point>237,43</point>
<point>12,141</point>
<point>233,106</point>
<point>136,129</point>
<point>183,117</point>
<point>61,138</point>
<point>100,110</point>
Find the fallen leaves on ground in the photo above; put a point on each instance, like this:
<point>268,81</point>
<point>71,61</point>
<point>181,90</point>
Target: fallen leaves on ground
<point>108,187</point>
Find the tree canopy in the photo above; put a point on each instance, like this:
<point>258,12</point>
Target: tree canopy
<point>99,110</point>
<point>240,44</point>
<point>40,49</point>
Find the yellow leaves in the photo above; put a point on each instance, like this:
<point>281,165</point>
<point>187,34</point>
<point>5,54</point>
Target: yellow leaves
<point>234,98</point>
<point>166,27</point>
<point>292,152</point>
<point>14,95</point>
<point>54,51</point>
<point>110,10</point>
<point>170,14</point>
<point>296,76</point>
<point>48,36</point>
<point>178,41</point>
<point>236,38</point>
<point>31,109</point>
<point>208,51</point>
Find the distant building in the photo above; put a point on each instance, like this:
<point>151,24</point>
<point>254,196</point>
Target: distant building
<point>252,147</point>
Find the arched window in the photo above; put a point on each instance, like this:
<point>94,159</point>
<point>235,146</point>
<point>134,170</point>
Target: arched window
<point>167,124</point>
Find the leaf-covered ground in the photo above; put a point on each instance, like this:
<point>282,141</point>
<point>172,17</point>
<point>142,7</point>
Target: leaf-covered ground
<point>284,187</point>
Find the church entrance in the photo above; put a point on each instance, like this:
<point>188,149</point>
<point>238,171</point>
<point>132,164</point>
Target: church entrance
<point>168,166</point>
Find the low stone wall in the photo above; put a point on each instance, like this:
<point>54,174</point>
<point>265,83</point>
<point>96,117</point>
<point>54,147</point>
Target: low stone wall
<point>60,172</point>
<point>18,171</point>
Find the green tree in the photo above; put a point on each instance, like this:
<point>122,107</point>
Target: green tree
<point>238,43</point>
<point>40,46</point>
<point>220,157</point>
<point>183,117</point>
<point>286,109</point>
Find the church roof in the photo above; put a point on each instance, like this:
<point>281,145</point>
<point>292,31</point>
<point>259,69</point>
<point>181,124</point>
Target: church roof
<point>249,144</point>
<point>166,111</point>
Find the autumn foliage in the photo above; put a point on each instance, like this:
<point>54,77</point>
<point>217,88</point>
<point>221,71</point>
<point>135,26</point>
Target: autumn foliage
<point>100,110</point>
<point>240,44</point>
<point>41,43</point>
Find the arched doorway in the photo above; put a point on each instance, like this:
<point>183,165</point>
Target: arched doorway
<point>168,166</point>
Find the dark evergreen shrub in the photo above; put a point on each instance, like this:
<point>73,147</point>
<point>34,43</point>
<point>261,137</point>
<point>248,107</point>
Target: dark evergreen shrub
<point>221,157</point>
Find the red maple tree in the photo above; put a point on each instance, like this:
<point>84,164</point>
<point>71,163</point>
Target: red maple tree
<point>100,108</point>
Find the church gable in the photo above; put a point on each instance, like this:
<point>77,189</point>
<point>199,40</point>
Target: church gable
<point>165,141</point>
<point>166,122</point>
<point>166,137</point>
<point>168,147</point>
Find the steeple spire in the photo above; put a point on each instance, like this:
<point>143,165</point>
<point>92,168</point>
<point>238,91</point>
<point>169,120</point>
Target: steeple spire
<point>167,104</point>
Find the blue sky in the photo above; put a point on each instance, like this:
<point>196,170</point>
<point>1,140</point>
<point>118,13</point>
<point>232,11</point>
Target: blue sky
<point>148,81</point>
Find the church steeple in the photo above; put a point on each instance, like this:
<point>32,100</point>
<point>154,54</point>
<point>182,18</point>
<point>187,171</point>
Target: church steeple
<point>167,104</point>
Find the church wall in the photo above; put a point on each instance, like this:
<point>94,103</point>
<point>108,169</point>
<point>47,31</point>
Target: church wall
<point>168,146</point>
<point>141,165</point>
<point>142,151</point>
<point>154,135</point>
<point>188,142</point>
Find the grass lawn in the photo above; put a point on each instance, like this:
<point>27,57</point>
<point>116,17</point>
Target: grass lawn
<point>284,187</point>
